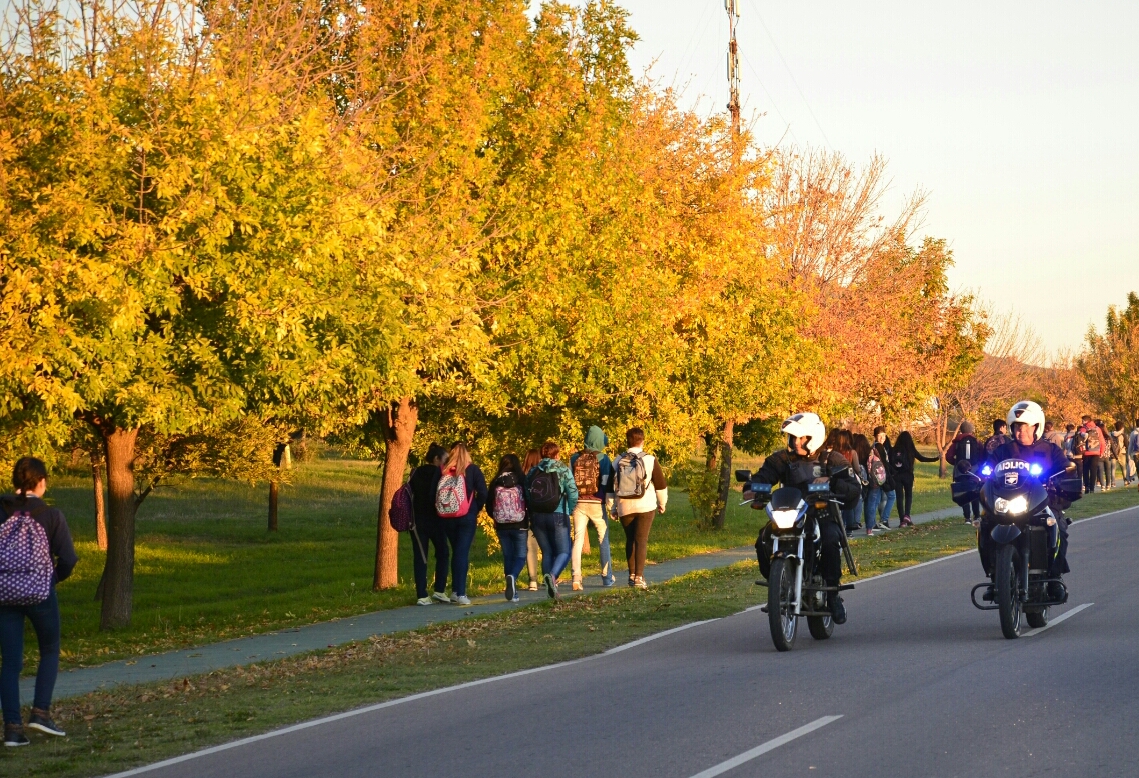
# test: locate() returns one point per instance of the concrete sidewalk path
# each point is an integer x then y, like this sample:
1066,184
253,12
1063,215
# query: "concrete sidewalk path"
284,643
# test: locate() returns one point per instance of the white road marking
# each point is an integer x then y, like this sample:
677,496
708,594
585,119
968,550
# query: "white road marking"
646,639
1066,614
770,745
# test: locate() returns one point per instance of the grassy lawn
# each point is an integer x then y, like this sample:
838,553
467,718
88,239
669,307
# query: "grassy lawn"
117,730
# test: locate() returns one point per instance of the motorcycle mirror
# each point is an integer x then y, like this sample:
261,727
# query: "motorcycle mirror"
743,476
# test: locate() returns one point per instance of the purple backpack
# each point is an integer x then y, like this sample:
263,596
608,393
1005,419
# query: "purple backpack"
401,514
25,561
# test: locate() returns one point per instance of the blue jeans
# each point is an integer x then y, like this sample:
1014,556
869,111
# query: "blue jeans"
870,507
45,621
460,533
513,542
551,530
429,536
850,516
887,506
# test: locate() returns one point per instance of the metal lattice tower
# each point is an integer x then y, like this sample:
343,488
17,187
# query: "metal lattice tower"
732,7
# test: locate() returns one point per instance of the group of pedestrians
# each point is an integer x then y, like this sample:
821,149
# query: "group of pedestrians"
542,502
886,472
1098,448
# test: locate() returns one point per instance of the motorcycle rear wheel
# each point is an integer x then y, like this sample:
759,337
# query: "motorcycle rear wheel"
780,593
821,627
1008,600
1038,619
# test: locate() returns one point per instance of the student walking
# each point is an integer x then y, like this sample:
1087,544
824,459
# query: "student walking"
871,491
1089,445
553,496
1119,453
533,457
842,441
639,492
506,504
36,553
460,496
965,454
424,483
1133,451
997,439
884,451
905,454
592,470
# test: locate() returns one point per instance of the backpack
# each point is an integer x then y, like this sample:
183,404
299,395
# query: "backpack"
899,460
963,451
1116,445
1093,444
545,491
401,513
875,469
587,473
25,561
509,499
451,498
630,476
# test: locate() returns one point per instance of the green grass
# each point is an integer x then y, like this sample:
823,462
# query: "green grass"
116,730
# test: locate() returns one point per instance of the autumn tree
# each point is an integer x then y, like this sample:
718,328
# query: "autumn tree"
1111,362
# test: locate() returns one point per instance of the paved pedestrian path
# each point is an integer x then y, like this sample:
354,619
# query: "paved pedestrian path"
285,643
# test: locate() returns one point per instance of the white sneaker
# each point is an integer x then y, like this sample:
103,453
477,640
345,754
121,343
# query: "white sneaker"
640,583
425,601
440,597
462,599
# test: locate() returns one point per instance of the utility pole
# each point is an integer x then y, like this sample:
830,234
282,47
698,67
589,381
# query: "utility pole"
732,7
727,431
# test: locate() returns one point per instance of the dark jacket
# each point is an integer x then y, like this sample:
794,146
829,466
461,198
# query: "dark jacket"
904,457
63,556
1048,455
789,469
424,481
501,480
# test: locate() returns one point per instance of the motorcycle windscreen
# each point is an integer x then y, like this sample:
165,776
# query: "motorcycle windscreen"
786,499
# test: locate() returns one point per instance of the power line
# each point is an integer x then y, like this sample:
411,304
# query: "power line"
787,67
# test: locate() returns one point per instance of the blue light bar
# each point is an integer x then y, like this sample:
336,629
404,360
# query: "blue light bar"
1036,469
987,470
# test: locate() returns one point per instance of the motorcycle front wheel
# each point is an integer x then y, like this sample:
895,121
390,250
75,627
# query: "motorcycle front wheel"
780,593
1008,601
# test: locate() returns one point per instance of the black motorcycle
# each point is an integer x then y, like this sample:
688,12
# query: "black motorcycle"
1015,501
795,587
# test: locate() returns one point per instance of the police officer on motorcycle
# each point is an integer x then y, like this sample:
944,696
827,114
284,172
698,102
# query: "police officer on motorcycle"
1026,424
799,465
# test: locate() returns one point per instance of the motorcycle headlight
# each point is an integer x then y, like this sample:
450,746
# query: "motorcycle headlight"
1013,507
785,519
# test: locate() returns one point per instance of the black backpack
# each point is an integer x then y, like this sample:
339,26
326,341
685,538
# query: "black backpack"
966,450
545,492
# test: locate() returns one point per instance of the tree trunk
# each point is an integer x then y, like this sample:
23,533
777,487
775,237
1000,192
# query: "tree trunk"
942,428
118,576
711,449
399,430
272,506
725,472
100,504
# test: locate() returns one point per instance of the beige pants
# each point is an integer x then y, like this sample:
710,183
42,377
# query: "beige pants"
583,514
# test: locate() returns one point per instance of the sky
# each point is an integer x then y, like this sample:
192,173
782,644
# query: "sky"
1019,119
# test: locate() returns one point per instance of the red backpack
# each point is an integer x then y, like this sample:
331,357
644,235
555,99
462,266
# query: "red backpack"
401,514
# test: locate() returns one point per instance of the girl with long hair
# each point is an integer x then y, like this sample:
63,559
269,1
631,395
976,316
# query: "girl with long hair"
905,454
506,504
460,530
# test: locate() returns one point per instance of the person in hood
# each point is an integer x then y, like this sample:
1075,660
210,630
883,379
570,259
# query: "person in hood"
30,479
592,470
966,454
553,496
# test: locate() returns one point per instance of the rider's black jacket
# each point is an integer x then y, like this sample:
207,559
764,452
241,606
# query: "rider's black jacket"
794,470
1044,453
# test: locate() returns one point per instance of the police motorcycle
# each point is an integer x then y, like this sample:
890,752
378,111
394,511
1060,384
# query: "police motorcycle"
1016,501
795,588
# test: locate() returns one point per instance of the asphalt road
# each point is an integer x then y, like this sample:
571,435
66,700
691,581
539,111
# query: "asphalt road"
922,684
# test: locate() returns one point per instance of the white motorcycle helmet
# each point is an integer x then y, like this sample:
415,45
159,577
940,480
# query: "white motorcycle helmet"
1027,412
807,425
